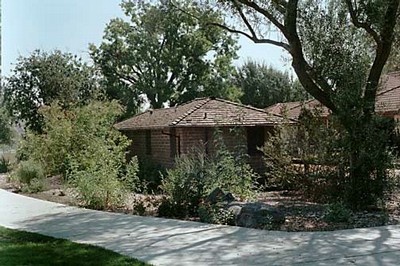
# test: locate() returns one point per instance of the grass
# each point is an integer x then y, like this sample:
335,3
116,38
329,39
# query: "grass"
23,248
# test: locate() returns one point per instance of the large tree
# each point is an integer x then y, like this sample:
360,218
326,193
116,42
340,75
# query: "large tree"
44,77
326,43
263,85
165,55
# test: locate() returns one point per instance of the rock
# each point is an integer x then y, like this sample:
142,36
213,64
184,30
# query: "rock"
61,193
215,196
256,215
228,197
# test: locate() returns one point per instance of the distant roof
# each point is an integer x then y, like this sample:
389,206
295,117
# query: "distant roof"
387,100
292,110
201,112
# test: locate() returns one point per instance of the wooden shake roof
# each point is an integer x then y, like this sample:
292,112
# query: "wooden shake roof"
201,112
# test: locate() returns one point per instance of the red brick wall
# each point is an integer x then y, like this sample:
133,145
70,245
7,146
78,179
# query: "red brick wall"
160,146
189,138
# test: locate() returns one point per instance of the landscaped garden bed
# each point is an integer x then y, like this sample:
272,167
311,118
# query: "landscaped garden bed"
300,214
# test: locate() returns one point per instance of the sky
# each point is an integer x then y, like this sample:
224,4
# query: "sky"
70,25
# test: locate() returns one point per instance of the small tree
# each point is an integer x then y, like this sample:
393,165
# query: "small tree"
41,78
82,145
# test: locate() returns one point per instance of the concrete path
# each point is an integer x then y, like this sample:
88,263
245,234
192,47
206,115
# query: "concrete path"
172,242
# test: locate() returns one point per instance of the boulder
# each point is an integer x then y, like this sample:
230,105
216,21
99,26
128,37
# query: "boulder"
217,196
256,215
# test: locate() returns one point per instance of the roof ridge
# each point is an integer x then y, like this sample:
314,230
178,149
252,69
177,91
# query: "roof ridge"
383,92
186,114
249,107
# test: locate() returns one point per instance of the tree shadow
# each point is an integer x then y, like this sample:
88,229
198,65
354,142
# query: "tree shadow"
172,242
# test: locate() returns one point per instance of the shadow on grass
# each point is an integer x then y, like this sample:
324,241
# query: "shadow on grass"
23,248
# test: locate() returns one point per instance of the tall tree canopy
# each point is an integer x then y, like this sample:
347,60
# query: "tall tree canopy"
165,54
263,85
42,78
326,43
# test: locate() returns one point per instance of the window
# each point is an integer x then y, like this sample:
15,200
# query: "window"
255,139
148,142
172,142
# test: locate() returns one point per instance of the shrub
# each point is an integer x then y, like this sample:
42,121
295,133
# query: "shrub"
36,185
4,165
195,175
215,214
27,171
186,185
67,133
337,213
150,175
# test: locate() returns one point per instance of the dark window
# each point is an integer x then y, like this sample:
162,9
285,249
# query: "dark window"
148,142
172,142
255,139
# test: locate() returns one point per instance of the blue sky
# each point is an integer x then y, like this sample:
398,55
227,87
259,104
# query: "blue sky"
70,25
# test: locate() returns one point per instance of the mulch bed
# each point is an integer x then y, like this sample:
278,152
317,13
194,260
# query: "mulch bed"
301,215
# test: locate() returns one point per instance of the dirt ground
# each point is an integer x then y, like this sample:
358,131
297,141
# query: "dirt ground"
300,214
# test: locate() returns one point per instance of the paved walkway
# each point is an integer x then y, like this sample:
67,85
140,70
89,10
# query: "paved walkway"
172,242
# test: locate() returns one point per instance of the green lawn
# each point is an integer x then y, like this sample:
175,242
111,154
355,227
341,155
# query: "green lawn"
23,248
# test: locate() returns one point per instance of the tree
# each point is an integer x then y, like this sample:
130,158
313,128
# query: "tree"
5,129
326,42
263,85
165,55
42,78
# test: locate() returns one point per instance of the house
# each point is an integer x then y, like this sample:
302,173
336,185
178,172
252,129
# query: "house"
162,134
387,101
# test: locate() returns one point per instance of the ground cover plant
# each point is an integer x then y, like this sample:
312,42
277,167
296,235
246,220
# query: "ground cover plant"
23,248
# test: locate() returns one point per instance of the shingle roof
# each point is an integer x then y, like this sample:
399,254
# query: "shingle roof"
202,112
387,100
293,109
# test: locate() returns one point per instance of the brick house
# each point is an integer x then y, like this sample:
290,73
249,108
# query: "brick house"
162,134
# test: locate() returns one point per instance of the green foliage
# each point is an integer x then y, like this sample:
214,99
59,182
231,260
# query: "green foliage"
150,174
165,53
323,157
82,145
4,165
195,175
263,85
186,184
30,175
27,171
337,213
98,184
42,78
6,133
339,50
215,214
67,134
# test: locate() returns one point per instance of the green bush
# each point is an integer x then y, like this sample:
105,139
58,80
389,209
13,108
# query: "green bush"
27,171
81,144
215,214
337,213
186,185
5,165
36,185
195,175
150,175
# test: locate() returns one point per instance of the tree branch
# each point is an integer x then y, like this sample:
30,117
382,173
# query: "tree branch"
316,86
254,39
366,26
382,54
265,13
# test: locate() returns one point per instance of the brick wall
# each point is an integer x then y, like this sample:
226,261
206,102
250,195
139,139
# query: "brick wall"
160,146
187,139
